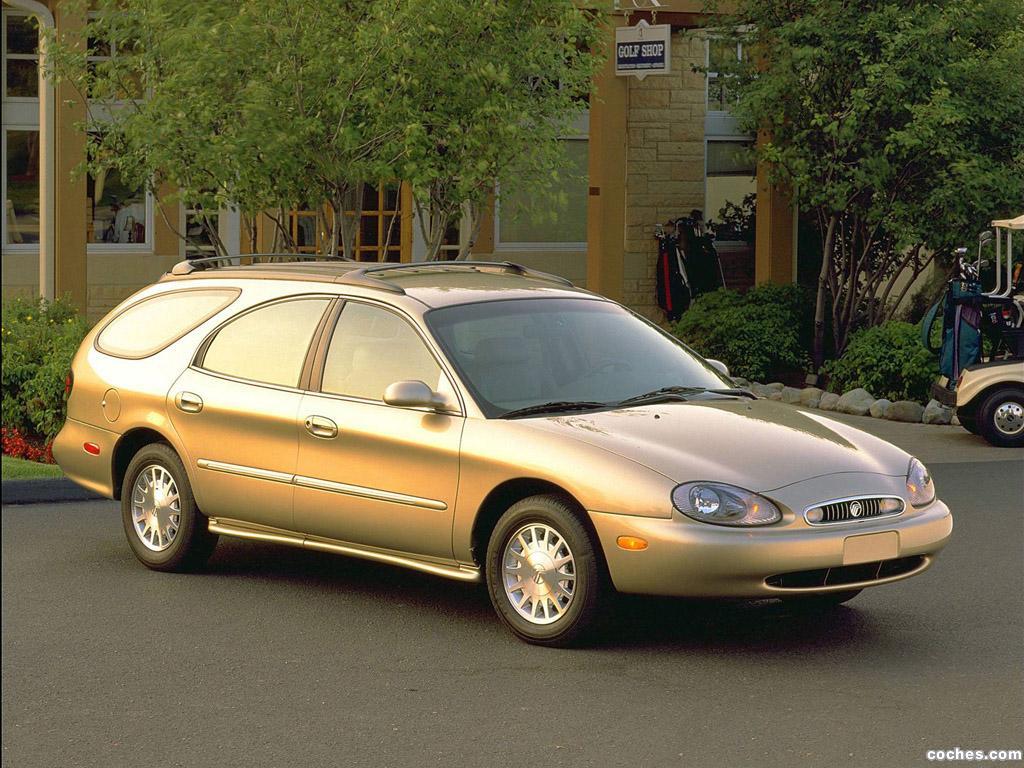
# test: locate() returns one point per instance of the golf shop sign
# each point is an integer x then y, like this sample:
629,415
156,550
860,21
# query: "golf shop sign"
643,50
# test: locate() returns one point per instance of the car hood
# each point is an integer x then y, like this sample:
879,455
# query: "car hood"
760,445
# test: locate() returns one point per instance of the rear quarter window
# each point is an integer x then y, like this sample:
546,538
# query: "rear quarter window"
150,325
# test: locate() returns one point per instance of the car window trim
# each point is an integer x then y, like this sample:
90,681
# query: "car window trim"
149,353
200,355
320,357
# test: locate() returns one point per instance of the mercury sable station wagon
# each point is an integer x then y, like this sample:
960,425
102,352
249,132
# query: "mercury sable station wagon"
479,421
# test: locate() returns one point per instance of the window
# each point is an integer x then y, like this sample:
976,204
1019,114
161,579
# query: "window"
525,223
117,213
199,242
21,188
148,326
373,348
731,190
721,54
268,344
21,56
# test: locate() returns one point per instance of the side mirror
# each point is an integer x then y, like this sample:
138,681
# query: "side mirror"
719,366
413,394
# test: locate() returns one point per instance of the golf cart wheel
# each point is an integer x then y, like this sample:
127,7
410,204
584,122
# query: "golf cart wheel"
968,421
1001,417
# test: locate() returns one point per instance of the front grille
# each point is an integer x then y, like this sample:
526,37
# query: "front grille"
850,510
845,574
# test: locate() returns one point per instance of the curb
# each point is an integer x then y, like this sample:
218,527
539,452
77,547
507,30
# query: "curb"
55,491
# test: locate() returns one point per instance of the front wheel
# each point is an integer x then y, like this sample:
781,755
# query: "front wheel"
544,573
1001,418
165,528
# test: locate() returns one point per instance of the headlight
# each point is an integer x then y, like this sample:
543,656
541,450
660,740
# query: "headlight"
724,504
920,487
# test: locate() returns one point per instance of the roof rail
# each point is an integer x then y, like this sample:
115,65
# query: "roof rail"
505,266
189,266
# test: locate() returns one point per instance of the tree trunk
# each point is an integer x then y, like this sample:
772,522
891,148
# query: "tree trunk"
472,219
334,233
351,207
822,295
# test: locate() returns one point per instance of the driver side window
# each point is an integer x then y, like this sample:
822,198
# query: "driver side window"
373,347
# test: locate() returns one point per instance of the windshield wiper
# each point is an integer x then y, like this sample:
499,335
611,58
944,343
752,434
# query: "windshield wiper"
556,406
681,393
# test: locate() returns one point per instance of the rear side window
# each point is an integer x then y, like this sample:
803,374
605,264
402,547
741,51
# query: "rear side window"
144,328
268,344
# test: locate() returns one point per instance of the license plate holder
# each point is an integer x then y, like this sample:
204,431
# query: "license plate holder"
871,547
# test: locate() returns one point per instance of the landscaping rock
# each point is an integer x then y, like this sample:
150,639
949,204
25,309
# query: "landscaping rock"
905,410
856,402
936,413
759,389
879,407
955,421
828,401
740,382
811,396
790,395
775,386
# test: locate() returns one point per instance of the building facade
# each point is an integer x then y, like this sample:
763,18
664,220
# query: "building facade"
646,151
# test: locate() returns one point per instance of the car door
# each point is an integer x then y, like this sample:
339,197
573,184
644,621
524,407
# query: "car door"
370,473
235,409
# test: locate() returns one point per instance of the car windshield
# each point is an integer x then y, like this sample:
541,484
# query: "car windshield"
520,353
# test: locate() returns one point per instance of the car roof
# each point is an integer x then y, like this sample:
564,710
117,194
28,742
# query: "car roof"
433,283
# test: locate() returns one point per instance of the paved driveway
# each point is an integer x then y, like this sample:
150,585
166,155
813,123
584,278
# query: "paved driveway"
281,657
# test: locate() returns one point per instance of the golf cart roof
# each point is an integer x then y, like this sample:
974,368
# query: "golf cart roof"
1017,223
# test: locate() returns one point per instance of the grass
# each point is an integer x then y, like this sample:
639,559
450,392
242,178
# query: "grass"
20,469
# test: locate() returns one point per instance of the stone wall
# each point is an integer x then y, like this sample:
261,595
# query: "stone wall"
664,163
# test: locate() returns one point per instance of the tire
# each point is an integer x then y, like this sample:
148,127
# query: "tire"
149,476
563,611
968,420
1001,417
823,602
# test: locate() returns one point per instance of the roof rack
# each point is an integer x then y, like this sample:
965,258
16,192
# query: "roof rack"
504,266
189,266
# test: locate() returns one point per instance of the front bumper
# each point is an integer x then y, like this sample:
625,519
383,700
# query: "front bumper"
687,558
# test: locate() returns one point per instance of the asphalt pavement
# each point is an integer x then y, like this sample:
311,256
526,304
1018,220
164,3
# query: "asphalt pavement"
283,657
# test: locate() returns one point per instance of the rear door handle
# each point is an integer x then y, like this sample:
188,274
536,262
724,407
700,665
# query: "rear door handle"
189,402
321,426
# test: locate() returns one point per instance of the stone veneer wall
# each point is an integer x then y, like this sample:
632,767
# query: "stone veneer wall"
664,163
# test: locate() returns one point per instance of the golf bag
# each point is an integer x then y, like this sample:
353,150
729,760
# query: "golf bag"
701,257
961,327
673,289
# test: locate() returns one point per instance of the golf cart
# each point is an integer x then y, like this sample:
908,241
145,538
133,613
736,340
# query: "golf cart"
981,357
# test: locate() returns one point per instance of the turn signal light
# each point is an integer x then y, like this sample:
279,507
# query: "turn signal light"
631,543
91,448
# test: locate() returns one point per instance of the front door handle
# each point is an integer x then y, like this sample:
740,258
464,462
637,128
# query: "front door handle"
189,402
321,426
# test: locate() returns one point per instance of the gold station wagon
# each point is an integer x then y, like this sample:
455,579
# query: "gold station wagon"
479,421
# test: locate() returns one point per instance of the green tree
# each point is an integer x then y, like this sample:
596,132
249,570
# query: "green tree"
900,127
485,89
266,105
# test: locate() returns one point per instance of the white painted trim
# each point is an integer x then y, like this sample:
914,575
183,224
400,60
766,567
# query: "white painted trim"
47,152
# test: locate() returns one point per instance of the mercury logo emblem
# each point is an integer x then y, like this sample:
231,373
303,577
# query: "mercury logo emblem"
856,509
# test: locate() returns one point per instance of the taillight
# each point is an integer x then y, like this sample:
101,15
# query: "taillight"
69,382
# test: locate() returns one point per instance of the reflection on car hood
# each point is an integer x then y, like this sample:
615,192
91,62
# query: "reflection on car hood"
760,445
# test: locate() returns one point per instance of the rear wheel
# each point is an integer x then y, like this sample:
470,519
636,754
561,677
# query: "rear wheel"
544,573
1001,417
968,420
164,527
822,602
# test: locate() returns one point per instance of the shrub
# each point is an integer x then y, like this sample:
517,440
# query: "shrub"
39,340
888,360
762,335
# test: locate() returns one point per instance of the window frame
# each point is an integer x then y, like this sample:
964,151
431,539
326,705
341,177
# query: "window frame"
710,74
146,246
741,139
319,360
8,12
152,297
198,359
581,133
15,247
